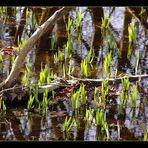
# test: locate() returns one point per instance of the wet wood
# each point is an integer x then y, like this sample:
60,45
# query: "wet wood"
40,32
111,80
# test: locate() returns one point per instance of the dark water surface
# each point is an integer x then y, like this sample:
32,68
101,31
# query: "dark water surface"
19,124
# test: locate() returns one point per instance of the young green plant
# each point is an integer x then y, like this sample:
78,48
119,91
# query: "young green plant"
106,64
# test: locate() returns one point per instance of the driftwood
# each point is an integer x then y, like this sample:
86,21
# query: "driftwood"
30,43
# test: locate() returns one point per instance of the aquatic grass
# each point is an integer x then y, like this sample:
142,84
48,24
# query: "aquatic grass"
100,117
24,81
36,93
27,16
112,41
30,102
68,49
21,43
60,55
1,59
75,100
12,59
45,98
43,76
67,125
104,25
104,90
33,22
123,98
82,94
133,97
90,56
132,39
53,42
106,64
105,127
69,25
2,105
146,135
52,75
96,99
78,19
125,84
84,68
88,115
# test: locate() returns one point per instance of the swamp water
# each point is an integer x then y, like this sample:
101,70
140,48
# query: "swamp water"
119,121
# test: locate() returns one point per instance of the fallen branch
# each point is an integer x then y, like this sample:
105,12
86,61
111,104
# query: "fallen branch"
30,43
111,80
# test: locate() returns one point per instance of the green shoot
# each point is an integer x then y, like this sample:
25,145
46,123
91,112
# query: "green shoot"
12,59
90,55
133,97
88,115
104,25
30,102
78,19
1,59
104,91
75,100
106,64
84,68
146,135
125,84
68,124
132,38
2,105
33,22
43,76
53,42
82,94
69,25
45,98
24,79
123,98
68,49
100,118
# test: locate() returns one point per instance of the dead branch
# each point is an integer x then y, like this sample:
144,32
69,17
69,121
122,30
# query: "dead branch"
30,43
111,80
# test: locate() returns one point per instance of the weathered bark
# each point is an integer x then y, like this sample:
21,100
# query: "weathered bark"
47,26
